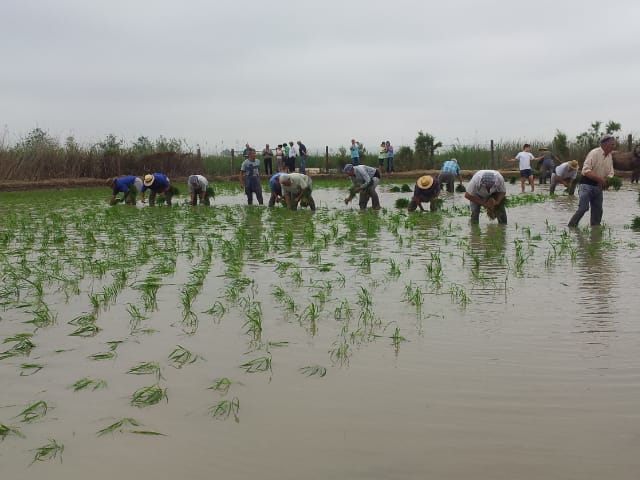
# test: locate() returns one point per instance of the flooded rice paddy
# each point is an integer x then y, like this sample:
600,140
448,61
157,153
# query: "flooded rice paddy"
236,342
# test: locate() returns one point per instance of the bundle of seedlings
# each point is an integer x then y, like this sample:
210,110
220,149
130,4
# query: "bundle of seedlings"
614,182
460,188
352,194
402,203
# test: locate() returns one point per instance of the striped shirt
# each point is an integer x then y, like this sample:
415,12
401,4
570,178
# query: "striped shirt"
450,167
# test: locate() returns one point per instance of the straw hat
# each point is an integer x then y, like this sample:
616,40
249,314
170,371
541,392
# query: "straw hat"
425,182
542,148
148,180
573,164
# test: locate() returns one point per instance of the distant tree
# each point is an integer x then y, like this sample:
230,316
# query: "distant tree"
110,146
403,158
168,145
37,139
590,139
560,146
425,149
142,146
71,145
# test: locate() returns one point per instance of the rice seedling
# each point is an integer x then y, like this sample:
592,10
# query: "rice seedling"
217,311
86,382
402,203
312,370
459,294
635,224
85,331
119,426
6,431
340,352
225,408
123,426
394,269
29,369
297,277
50,451
405,188
414,296
149,289
397,339
260,364
147,368
103,356
460,188
35,411
43,316
614,182
365,264
22,346
222,385
253,323
284,298
84,319
180,357
343,311
147,396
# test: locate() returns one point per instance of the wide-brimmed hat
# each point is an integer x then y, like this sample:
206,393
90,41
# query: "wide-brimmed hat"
148,180
110,181
573,164
543,147
425,182
347,168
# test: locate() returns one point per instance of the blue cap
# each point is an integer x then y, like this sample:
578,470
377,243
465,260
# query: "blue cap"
347,168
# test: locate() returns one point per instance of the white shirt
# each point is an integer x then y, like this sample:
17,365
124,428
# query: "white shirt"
202,183
299,181
525,160
483,191
292,152
563,171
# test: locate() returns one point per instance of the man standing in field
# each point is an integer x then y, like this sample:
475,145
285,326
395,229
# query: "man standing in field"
450,171
267,156
565,173
487,189
250,178
355,152
598,165
291,161
364,179
158,183
389,157
524,159
302,150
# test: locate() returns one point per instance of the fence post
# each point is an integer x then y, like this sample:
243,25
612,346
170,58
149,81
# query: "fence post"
326,158
493,159
233,153
629,143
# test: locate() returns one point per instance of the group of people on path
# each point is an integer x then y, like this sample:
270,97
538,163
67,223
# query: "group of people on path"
286,156
486,189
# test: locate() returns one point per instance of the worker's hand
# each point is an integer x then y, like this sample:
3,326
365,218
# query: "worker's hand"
357,189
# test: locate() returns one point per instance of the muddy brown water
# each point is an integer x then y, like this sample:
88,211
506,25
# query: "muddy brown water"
508,370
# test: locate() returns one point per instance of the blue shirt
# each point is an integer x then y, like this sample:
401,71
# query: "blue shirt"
123,184
275,187
450,167
354,151
160,184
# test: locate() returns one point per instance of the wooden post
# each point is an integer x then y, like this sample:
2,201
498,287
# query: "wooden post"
493,152
629,143
326,159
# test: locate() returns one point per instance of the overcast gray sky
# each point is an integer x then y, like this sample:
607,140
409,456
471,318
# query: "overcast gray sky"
220,73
